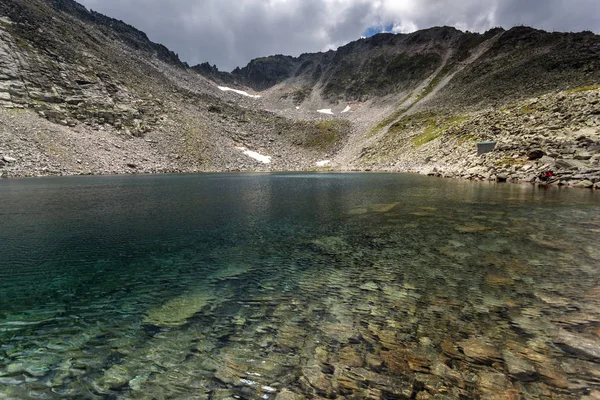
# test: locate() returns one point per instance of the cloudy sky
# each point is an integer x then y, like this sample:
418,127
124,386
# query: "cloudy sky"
229,33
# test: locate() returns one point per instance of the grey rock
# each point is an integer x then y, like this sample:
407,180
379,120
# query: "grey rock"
519,367
9,159
585,184
578,345
569,164
583,156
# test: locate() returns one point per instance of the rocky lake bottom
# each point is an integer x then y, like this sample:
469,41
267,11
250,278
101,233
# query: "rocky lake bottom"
294,286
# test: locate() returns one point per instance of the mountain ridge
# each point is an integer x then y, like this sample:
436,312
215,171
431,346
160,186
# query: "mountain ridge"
88,74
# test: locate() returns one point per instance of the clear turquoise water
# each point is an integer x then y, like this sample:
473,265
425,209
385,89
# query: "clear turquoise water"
217,286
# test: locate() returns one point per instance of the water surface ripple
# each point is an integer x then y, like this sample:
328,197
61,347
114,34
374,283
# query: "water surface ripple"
293,286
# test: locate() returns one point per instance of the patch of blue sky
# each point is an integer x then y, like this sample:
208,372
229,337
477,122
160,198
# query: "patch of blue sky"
374,30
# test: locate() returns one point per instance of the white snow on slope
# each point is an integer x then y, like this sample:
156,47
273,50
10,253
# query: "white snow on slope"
346,109
325,111
255,155
323,163
226,89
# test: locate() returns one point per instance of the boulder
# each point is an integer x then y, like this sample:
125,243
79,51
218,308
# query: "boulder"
585,184
9,159
569,164
535,155
583,156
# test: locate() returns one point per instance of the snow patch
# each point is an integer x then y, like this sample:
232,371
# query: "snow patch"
325,111
346,109
255,155
323,163
227,89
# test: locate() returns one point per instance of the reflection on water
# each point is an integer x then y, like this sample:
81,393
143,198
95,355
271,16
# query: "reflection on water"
296,286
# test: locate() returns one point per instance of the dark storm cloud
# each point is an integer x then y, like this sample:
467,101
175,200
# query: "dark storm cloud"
231,32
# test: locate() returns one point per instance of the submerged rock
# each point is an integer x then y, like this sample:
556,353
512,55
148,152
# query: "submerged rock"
178,310
330,244
480,351
519,367
472,228
115,377
496,386
369,286
289,395
578,345
381,208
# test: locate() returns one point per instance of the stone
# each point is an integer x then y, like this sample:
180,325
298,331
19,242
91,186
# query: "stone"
553,376
578,345
593,395
289,395
349,357
178,310
498,280
496,386
317,379
115,377
585,184
9,159
569,164
450,348
369,286
583,156
519,367
535,155
479,351
472,228
501,178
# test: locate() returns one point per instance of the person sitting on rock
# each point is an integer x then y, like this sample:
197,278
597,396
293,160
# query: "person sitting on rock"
546,176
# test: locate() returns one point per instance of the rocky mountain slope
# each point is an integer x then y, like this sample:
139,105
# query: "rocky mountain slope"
82,93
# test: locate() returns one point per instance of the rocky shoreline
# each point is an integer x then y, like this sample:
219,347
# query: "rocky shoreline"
558,132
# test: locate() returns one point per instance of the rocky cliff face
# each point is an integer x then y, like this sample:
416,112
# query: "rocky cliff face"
84,93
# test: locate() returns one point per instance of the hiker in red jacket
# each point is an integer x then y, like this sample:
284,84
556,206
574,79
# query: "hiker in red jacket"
546,176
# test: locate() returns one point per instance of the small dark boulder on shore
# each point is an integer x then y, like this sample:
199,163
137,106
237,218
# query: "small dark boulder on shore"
535,155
